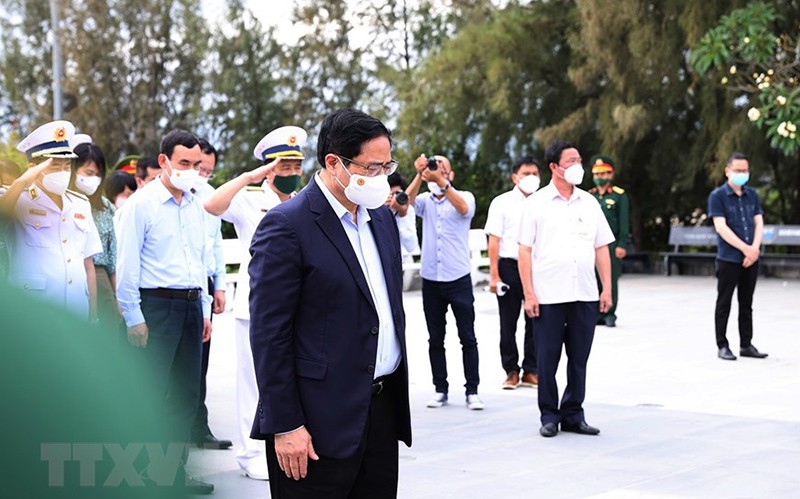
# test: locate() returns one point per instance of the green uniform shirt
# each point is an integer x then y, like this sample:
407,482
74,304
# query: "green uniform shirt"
617,211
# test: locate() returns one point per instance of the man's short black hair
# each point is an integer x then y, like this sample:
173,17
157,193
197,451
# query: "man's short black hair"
345,131
116,183
736,155
525,160
554,150
144,163
178,137
395,179
207,148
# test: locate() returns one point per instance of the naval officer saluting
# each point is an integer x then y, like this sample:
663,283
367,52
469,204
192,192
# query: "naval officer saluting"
50,255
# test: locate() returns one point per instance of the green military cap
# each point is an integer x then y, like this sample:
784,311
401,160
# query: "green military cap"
602,163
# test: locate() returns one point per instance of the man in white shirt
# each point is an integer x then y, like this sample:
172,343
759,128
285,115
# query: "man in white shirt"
404,215
563,236
201,432
502,227
243,205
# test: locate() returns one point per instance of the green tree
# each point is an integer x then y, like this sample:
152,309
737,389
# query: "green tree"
244,101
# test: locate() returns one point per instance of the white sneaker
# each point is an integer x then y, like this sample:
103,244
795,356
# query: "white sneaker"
474,403
257,470
438,400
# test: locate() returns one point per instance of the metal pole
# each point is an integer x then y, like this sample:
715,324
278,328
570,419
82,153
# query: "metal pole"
58,106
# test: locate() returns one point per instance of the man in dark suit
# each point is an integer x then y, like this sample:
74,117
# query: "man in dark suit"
327,323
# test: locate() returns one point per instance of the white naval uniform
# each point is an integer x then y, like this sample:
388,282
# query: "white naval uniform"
245,212
47,253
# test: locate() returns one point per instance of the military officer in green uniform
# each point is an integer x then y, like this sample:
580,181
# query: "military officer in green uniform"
616,207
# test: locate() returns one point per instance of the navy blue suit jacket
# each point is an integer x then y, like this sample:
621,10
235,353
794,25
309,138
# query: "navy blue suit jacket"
313,325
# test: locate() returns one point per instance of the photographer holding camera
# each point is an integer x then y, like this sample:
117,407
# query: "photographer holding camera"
404,215
446,280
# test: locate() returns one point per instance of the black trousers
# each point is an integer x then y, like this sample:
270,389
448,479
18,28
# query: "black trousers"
371,473
172,356
436,297
730,277
200,427
571,325
509,306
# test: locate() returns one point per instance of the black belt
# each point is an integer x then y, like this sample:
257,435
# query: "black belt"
175,294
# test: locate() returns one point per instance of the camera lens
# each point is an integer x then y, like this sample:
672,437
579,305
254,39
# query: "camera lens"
432,164
402,197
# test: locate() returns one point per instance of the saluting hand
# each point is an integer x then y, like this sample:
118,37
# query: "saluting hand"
137,335
293,450
260,173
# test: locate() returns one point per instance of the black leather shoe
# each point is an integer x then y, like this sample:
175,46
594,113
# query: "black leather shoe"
195,486
751,351
726,354
548,430
582,428
209,441
611,322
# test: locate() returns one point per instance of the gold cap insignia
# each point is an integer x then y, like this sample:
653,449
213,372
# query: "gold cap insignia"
292,140
598,161
61,134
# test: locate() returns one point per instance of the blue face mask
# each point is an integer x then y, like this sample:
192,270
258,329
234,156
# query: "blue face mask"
739,179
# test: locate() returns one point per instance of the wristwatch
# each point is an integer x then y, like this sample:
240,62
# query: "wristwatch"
446,186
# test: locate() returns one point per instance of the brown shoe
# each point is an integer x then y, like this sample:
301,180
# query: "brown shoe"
529,379
512,381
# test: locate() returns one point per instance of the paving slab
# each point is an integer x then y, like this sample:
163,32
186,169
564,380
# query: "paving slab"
676,421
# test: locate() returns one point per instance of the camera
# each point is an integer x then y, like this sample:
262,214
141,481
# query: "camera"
401,197
432,163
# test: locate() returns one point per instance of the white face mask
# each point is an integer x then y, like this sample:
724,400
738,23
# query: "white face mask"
529,184
87,185
201,180
119,202
56,182
369,192
435,189
183,180
574,174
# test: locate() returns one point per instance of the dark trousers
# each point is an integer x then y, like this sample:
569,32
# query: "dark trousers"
509,306
436,296
173,356
732,276
372,472
200,427
572,325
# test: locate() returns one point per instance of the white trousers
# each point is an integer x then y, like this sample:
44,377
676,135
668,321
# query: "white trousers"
249,450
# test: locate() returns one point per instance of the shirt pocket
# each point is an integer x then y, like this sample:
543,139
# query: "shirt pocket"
38,231
28,282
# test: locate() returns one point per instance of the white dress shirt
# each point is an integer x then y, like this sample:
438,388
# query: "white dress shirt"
505,213
407,227
245,212
214,257
360,236
160,244
47,252
445,237
563,234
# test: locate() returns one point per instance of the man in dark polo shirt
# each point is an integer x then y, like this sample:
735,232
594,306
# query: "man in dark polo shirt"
739,222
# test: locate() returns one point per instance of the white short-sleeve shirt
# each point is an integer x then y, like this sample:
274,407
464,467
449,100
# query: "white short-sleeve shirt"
505,213
563,234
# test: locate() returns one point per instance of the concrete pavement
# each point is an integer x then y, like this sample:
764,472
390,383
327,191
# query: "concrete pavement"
675,420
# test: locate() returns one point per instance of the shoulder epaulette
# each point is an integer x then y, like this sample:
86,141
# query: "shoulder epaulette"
254,188
77,194
618,190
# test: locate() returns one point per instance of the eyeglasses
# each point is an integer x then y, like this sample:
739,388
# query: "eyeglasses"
374,169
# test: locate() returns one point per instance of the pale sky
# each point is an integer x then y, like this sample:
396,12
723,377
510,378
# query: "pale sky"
276,13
